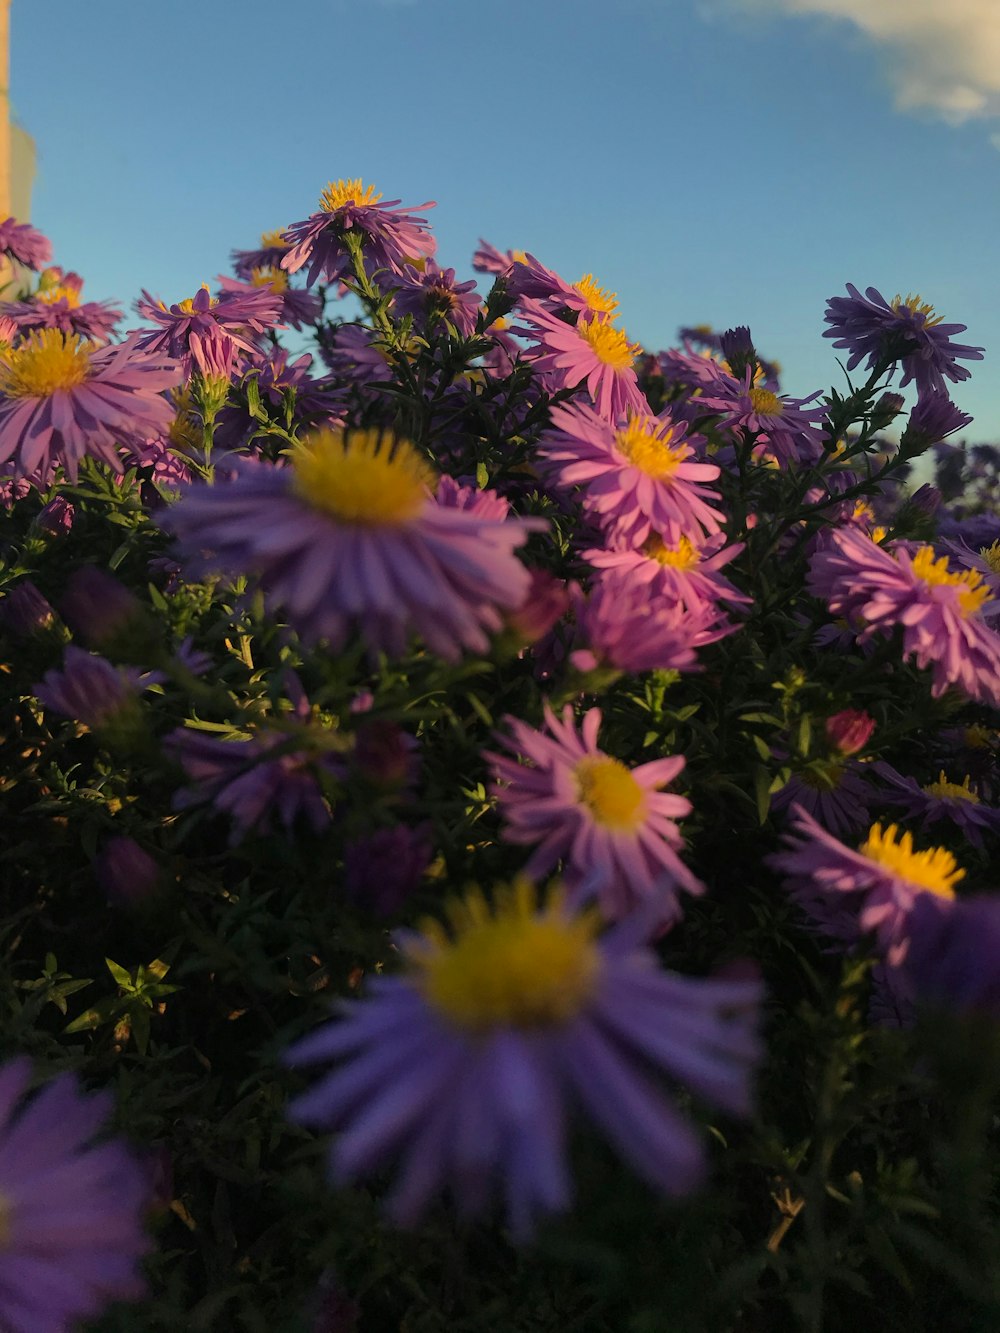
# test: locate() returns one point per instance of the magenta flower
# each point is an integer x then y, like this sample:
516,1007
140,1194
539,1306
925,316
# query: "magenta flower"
614,827
24,244
391,236
529,278
682,571
295,308
849,893
60,399
637,478
850,730
72,1207
268,255
591,352
431,294
349,539
906,328
464,1068
619,626
209,333
488,259
940,610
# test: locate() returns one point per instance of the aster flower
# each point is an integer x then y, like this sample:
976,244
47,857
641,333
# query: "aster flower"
784,427
24,611
638,478
60,399
206,332
383,868
430,294
614,826
940,610
954,954
296,308
465,1066
682,571
906,329
59,307
90,690
268,255
961,803
838,795
349,539
593,352
488,259
390,235
252,779
24,244
530,278
126,872
934,417
848,893
620,627
72,1207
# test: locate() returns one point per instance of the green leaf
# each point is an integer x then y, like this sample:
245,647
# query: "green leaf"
120,974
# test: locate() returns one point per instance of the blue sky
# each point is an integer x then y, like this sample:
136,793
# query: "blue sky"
721,161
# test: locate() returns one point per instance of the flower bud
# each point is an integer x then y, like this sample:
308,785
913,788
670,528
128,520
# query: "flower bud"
849,731
126,873
25,612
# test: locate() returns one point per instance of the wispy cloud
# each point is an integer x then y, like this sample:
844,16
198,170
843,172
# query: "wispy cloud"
941,56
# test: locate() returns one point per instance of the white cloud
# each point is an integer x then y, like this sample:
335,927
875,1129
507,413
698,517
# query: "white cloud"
941,56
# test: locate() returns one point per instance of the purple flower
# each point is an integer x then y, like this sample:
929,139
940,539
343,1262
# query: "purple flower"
960,803
57,517
591,352
906,329
848,893
96,606
464,1067
682,571
391,236
385,755
431,294
89,689
126,872
940,610
296,308
252,779
57,305
383,868
71,1207
24,611
637,477
954,955
619,626
209,333
349,539
614,826
268,255
24,244
488,259
61,400
785,428
933,417
836,794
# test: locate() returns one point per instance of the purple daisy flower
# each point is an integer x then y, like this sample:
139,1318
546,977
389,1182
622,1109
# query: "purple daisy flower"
614,826
89,689
682,571
72,1207
954,954
906,328
940,610
934,417
430,294
383,868
836,794
268,255
784,427
208,332
622,628
296,309
584,298
961,803
24,244
488,259
638,478
391,236
848,893
349,539
465,1066
60,399
593,352
25,612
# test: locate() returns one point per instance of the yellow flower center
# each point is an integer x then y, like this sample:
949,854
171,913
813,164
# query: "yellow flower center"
934,870
646,444
600,301
863,511
943,789
336,195
683,556
187,305
913,303
765,403
275,278
49,295
607,343
991,554
508,965
273,240
978,737
519,256
361,477
44,362
935,573
610,792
